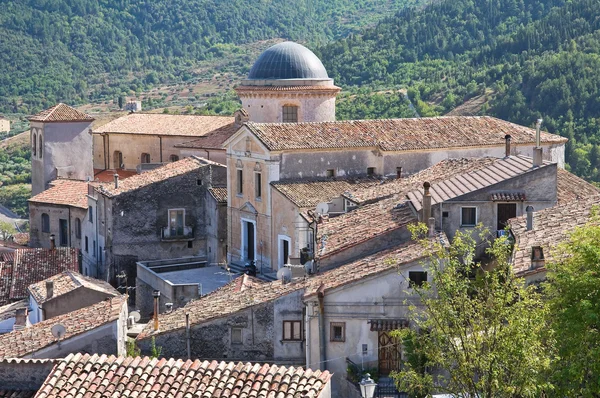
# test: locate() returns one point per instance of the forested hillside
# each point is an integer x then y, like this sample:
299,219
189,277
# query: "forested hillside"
80,51
525,59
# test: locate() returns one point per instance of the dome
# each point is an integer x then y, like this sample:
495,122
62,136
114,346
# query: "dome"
288,60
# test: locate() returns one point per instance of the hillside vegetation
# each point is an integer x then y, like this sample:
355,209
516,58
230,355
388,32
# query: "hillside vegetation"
81,51
523,59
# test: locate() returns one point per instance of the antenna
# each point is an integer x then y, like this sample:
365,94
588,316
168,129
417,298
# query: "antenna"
135,315
284,274
322,208
58,331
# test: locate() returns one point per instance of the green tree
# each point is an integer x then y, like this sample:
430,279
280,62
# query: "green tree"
7,230
478,327
574,316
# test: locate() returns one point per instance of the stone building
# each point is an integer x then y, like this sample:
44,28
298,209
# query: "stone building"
58,212
159,214
61,146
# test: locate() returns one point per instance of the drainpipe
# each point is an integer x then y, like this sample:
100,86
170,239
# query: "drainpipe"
321,297
160,147
187,335
307,345
156,295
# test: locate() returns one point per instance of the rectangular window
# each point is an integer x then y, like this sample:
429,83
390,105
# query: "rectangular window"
292,330
87,249
398,172
176,218
290,114
370,171
63,232
468,216
236,335
240,182
145,158
258,185
337,331
91,214
45,222
417,278
330,173
94,252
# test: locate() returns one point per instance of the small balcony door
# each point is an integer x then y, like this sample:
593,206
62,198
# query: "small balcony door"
63,232
506,211
176,218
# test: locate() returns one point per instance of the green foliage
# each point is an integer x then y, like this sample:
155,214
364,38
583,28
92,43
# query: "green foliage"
15,197
574,298
482,326
535,58
7,230
365,105
104,50
132,349
155,350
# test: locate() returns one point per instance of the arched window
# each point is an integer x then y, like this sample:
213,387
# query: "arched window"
174,158
290,114
77,228
41,146
34,144
145,158
45,222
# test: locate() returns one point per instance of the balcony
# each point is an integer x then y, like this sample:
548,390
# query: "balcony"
177,234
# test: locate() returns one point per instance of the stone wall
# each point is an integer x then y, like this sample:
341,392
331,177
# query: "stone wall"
55,213
24,374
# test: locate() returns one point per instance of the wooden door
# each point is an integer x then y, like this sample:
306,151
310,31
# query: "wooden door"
506,211
390,350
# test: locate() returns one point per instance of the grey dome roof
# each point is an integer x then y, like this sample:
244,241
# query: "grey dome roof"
288,60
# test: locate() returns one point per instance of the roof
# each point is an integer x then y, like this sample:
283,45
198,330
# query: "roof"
551,227
243,292
162,173
383,261
397,134
17,393
61,113
213,139
31,266
38,336
300,89
309,193
357,226
501,170
68,281
165,125
288,60
9,310
571,188
64,192
438,172
109,175
219,193
95,375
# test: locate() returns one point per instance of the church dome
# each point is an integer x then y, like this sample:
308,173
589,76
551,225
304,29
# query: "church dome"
288,60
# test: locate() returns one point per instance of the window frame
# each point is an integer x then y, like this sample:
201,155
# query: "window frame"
371,171
330,173
292,330
145,156
45,223
241,330
91,214
286,113
258,185
413,284
173,158
182,222
462,224
34,145
40,147
333,325
239,182
77,228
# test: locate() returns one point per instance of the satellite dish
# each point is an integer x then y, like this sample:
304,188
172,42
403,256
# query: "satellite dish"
135,315
322,208
58,331
284,274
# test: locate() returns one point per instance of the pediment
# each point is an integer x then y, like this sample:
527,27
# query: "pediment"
246,142
248,208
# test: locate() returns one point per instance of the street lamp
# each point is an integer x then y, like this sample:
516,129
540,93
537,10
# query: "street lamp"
367,386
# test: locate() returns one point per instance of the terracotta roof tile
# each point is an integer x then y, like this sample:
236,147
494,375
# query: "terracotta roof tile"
166,125
17,393
31,339
219,193
243,292
213,139
571,188
33,265
440,171
61,113
109,175
9,310
308,193
66,282
508,196
396,134
551,227
64,192
81,375
371,265
169,170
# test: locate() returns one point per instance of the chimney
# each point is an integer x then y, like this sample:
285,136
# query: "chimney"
52,242
49,289
20,319
156,295
529,210
116,177
537,151
426,202
507,138
431,227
